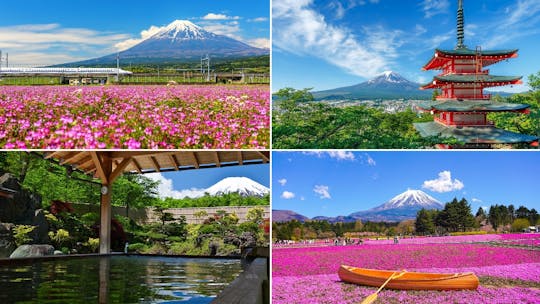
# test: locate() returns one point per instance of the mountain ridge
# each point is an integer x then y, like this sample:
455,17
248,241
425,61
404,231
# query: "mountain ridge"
179,41
401,207
387,85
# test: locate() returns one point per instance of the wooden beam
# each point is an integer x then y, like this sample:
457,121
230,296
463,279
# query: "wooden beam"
53,154
240,158
136,164
119,169
216,159
85,163
71,157
98,163
156,164
174,162
264,157
194,159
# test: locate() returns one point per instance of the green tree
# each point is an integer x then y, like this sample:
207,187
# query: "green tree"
456,216
519,224
424,223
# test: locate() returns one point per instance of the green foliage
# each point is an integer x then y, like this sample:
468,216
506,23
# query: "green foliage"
425,221
61,237
534,81
230,199
137,247
22,234
298,123
91,218
255,215
519,224
92,244
295,230
456,216
134,191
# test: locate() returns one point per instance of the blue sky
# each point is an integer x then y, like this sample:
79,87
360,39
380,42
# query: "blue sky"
193,182
341,182
325,44
47,32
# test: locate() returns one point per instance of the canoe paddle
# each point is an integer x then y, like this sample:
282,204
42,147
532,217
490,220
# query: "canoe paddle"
372,297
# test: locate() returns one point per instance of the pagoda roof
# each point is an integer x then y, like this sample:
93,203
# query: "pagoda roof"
486,79
473,135
452,105
489,57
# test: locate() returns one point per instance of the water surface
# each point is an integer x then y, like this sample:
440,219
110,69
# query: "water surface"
117,279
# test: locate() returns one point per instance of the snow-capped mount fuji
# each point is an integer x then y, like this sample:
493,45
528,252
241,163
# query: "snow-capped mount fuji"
411,199
388,85
241,185
401,207
388,77
182,29
180,41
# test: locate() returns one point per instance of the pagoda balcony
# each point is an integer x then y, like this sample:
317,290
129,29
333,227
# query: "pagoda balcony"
473,97
454,72
480,123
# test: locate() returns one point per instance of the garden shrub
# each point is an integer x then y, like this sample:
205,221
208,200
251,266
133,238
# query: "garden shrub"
22,234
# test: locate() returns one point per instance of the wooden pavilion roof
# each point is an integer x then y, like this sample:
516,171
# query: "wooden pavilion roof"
142,162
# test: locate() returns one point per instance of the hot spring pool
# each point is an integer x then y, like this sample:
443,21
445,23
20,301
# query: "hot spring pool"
117,279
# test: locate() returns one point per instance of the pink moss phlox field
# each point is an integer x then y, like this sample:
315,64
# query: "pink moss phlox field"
325,260
526,239
134,117
328,289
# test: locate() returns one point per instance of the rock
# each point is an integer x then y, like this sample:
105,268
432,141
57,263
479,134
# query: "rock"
42,227
28,251
58,252
21,208
7,241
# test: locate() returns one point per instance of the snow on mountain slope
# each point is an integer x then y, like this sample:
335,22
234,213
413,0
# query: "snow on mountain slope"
242,185
410,198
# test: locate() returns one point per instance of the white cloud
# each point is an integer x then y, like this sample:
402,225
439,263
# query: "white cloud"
322,191
476,200
443,183
262,43
287,195
339,154
370,161
126,44
165,188
435,7
258,19
23,41
212,16
282,181
299,29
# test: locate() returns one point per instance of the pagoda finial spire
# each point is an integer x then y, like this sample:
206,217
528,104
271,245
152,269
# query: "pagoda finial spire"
460,26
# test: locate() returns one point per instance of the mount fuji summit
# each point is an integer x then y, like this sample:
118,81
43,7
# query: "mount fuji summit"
388,85
241,185
180,41
401,207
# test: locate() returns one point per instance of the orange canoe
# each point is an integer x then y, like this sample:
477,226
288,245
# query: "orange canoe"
408,280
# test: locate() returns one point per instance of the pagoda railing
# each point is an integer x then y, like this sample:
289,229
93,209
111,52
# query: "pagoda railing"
476,97
465,123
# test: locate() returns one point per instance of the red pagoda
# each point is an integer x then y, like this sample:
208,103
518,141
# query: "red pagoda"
461,109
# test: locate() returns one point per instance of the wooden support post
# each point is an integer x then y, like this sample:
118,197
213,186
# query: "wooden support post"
104,166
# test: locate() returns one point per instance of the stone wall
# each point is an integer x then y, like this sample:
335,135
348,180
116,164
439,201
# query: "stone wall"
147,215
